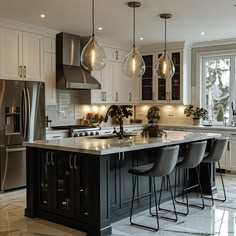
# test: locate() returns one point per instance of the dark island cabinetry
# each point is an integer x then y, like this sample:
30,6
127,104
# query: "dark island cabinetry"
63,184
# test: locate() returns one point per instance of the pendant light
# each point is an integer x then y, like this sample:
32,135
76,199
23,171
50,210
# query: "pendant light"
93,56
133,65
165,67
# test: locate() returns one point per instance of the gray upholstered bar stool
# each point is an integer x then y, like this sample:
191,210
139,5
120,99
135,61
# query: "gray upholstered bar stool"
165,161
216,153
192,158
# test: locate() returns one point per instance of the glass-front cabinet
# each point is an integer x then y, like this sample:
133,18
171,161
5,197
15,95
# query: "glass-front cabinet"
61,181
147,79
176,90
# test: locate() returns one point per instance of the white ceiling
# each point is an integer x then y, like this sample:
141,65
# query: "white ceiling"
190,17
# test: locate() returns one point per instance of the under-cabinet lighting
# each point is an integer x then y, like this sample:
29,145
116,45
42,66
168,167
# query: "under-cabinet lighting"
202,33
42,16
99,28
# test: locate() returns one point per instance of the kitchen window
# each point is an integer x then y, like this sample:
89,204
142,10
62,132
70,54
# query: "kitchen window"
217,91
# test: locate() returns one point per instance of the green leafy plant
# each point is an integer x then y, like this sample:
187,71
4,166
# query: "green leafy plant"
196,113
153,115
119,113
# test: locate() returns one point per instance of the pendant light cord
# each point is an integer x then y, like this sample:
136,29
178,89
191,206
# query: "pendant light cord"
165,34
93,16
134,29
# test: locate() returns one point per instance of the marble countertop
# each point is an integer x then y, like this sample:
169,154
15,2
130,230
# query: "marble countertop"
201,127
98,146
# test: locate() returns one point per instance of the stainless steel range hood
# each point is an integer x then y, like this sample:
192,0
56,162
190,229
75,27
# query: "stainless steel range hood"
69,73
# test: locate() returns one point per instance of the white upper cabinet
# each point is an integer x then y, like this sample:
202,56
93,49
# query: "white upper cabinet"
176,90
116,88
21,55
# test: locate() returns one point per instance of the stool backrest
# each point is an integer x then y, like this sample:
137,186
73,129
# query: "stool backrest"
218,149
193,155
165,161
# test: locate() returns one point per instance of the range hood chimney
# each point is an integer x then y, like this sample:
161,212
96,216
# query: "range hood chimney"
69,73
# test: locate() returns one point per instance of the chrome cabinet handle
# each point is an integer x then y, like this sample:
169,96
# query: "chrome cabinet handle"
117,56
130,97
70,161
105,96
75,165
123,155
20,71
102,96
116,97
24,71
52,161
47,158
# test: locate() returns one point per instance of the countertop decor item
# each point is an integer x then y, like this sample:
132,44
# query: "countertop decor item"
93,56
164,66
133,65
153,131
197,114
153,115
119,112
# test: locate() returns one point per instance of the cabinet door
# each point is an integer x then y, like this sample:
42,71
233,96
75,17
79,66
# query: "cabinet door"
127,161
63,184
32,57
122,85
50,78
45,178
82,167
115,182
144,158
11,54
232,152
176,81
147,85
108,74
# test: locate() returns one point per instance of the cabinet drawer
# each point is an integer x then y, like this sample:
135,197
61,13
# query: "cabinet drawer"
56,135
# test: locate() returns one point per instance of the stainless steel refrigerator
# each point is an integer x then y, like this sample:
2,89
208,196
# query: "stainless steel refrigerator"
22,118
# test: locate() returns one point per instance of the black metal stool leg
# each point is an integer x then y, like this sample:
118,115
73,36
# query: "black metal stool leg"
172,198
132,204
185,191
222,182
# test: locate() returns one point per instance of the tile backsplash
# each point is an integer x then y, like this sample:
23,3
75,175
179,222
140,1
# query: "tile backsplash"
68,111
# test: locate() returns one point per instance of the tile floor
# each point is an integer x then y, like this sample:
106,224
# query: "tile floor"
218,220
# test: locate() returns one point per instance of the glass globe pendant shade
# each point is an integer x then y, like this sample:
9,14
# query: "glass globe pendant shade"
93,56
165,68
133,65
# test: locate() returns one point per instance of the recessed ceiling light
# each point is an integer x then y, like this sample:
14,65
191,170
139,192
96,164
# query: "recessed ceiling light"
99,28
141,38
42,16
202,33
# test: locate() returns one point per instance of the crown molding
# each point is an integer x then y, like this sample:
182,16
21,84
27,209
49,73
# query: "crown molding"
169,46
214,43
7,23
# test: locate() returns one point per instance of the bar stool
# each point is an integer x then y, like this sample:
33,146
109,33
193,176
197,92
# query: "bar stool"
192,158
165,162
216,153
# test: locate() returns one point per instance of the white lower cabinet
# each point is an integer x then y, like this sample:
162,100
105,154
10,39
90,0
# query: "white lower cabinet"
56,134
232,148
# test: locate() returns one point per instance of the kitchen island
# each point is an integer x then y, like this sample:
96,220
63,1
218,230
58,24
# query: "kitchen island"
84,182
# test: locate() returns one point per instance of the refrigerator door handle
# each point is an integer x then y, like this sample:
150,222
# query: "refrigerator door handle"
15,149
24,113
28,111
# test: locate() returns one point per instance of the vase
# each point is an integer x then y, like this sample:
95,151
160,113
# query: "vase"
196,121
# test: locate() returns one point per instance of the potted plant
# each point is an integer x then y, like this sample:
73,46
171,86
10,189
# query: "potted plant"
197,114
153,115
119,112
